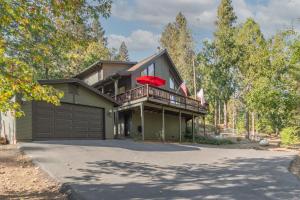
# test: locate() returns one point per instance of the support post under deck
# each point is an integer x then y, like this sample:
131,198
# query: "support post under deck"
180,131
193,127
163,125
142,121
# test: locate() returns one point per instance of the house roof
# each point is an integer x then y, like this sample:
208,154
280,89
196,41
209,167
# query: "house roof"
78,82
95,65
140,64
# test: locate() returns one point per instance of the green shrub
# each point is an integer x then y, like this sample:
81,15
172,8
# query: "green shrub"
210,140
290,135
240,126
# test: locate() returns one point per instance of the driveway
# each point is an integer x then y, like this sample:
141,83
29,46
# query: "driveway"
122,169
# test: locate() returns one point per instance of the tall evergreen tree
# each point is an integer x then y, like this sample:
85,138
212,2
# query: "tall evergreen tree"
98,33
123,53
253,60
226,52
177,39
92,46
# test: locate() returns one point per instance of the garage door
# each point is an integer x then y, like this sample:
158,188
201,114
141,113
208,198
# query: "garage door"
68,121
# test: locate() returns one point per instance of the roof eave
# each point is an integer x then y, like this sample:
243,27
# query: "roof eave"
81,83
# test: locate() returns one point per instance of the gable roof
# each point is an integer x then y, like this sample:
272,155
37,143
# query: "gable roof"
95,65
79,82
141,64
150,59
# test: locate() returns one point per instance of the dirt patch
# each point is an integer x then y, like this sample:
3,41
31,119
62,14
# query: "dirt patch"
295,166
21,179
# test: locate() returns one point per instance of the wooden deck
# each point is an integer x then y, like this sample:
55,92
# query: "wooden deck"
161,96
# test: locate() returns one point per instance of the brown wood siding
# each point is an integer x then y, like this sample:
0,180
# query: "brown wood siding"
68,121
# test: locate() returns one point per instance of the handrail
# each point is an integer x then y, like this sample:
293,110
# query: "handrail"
161,94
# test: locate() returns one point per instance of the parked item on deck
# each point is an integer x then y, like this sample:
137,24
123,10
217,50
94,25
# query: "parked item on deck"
151,80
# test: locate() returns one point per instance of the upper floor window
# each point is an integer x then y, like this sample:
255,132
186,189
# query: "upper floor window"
144,72
171,83
149,71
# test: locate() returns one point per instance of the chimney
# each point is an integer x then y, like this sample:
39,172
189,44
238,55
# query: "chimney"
158,49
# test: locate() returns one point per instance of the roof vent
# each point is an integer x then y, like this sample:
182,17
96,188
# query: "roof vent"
158,49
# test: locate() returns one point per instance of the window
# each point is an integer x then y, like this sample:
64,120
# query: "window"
144,72
171,83
149,71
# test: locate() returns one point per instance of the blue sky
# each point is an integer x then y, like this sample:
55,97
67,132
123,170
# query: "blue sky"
140,22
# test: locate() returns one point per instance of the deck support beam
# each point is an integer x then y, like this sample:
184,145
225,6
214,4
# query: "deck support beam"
142,121
180,131
163,125
193,127
116,88
116,116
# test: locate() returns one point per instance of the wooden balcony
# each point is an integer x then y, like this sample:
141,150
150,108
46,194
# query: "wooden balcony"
161,96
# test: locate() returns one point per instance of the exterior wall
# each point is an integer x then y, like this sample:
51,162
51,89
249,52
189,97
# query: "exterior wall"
24,123
80,95
162,69
8,126
72,94
93,77
153,125
110,69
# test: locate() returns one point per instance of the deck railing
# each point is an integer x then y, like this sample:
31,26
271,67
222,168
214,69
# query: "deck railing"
161,96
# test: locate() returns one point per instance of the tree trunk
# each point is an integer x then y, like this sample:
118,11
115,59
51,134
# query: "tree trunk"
216,115
225,114
219,110
233,119
47,73
247,124
253,123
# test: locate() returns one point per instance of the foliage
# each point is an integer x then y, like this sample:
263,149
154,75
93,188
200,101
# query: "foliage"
290,135
226,55
123,53
177,39
34,36
261,76
240,125
209,140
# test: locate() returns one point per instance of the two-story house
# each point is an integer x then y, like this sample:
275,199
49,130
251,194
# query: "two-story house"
105,101
146,111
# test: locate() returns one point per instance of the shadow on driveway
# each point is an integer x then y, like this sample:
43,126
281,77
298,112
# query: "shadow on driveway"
123,144
241,178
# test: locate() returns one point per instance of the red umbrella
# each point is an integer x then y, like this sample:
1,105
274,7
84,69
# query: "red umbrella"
151,80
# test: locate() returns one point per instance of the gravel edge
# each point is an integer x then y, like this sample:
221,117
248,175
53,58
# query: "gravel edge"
294,167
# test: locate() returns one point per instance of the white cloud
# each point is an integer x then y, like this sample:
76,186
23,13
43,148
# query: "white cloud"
201,14
277,15
138,40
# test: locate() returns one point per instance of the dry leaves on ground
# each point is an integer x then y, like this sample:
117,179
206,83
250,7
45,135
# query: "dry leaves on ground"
21,179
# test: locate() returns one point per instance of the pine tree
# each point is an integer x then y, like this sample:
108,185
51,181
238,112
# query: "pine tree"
123,53
177,39
226,52
98,33
253,58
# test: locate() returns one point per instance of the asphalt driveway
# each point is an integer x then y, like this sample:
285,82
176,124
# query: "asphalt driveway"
121,169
